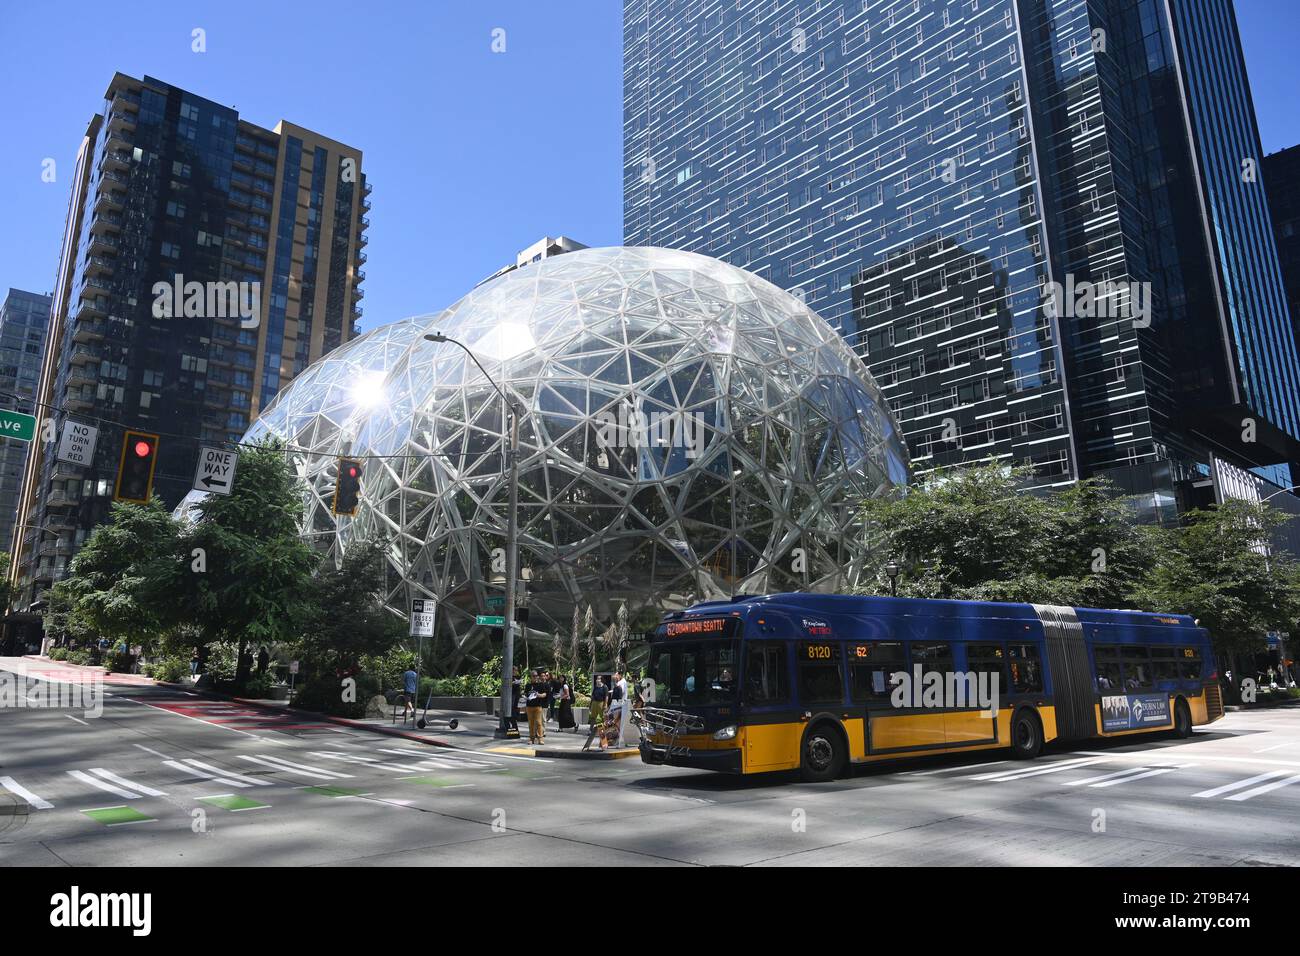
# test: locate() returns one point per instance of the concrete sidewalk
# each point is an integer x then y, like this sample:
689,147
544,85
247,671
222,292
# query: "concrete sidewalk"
477,731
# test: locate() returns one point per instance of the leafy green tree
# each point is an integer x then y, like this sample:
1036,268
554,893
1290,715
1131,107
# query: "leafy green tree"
347,619
6,589
1218,568
117,582
972,533
61,618
247,574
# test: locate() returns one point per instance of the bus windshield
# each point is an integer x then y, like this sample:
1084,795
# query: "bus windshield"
694,674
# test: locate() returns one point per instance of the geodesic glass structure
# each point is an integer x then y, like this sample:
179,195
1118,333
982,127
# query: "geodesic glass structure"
689,431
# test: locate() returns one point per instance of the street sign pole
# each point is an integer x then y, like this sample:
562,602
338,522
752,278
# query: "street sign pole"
512,573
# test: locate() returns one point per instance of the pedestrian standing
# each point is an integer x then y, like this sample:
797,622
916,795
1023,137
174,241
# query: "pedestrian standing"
599,694
263,660
617,709
566,705
536,696
194,663
411,688
557,684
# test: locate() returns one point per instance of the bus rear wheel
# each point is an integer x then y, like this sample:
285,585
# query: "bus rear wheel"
1026,735
823,754
1182,719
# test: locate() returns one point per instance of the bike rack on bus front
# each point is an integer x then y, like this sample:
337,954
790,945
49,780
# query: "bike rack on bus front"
660,723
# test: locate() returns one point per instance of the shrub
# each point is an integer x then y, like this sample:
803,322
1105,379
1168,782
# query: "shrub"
79,657
59,654
259,685
168,669
118,661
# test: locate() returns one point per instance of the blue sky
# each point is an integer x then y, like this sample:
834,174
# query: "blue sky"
473,154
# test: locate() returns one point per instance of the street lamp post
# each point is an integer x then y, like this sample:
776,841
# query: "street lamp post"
511,428
891,570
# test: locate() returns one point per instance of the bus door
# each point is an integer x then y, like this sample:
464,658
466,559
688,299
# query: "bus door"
976,722
771,727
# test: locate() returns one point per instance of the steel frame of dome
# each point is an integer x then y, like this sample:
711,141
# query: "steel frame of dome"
774,432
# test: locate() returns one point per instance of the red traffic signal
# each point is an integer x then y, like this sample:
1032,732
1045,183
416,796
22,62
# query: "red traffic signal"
136,467
347,487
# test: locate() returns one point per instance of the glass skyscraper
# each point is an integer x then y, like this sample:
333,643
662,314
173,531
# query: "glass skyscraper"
173,193
24,317
1034,220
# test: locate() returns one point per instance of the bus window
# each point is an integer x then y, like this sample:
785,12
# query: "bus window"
820,680
1026,671
1165,669
1137,668
1108,675
766,681
932,657
871,665
694,674
991,659
1189,661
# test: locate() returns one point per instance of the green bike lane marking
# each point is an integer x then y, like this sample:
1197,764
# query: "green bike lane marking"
440,782
234,803
118,816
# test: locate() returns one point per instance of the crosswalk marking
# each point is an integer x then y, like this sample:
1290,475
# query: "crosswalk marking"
88,779
204,771
365,761
1004,776
1241,784
1275,785
424,761
1093,781
929,773
300,769
1138,776
130,785
12,785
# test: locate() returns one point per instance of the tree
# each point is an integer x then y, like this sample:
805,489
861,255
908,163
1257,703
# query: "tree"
61,618
248,574
347,618
972,533
6,589
117,583
1218,568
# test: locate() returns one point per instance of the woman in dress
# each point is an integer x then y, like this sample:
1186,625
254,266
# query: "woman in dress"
566,705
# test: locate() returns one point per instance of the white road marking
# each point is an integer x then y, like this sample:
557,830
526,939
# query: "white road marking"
1275,785
115,791
927,773
205,723
119,781
1150,773
1092,781
423,761
1240,784
227,774
1201,755
151,751
32,799
285,765
77,719
1003,776
365,761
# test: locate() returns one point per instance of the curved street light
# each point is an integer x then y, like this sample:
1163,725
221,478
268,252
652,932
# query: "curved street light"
511,475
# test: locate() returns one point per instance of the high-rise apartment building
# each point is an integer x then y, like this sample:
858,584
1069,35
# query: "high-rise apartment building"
1282,179
24,317
206,261
1039,223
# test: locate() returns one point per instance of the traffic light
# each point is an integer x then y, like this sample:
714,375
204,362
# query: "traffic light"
135,470
347,488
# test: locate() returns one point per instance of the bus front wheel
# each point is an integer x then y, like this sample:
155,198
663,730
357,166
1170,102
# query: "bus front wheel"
1026,735
823,754
1182,719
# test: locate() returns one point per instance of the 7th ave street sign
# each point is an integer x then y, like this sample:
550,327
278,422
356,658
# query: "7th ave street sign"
216,471
17,425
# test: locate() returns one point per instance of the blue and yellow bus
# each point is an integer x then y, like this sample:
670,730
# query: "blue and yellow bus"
812,682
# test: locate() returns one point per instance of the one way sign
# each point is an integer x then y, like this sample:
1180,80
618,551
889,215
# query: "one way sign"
216,472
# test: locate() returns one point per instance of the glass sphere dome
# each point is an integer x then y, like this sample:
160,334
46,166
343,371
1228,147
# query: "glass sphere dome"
688,431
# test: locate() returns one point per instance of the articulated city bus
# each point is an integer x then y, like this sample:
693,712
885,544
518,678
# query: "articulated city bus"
815,682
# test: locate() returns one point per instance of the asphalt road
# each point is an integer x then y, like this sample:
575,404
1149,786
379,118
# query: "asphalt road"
165,778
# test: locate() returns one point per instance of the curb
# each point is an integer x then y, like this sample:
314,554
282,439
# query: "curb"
558,754
328,718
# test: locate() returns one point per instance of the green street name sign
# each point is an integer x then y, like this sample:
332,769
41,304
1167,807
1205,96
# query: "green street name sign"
487,620
17,425
496,601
